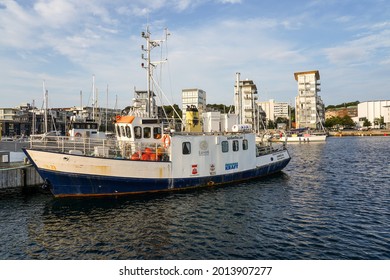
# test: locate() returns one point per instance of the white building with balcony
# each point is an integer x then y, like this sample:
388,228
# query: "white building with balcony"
309,107
193,97
274,110
245,102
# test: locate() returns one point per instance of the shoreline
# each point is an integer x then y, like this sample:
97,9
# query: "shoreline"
376,132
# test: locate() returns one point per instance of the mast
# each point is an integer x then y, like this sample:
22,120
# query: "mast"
93,97
238,99
106,107
146,36
150,44
45,100
34,118
81,101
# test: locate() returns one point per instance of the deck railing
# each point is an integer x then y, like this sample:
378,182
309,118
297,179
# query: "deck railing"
96,147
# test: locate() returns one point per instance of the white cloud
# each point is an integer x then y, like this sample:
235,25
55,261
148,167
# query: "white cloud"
230,1
367,49
56,13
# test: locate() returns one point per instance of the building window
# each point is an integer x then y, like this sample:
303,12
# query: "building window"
235,146
225,146
186,148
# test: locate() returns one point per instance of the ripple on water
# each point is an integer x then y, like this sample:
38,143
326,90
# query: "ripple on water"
331,202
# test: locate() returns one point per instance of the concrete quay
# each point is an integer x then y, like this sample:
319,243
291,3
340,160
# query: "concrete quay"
373,132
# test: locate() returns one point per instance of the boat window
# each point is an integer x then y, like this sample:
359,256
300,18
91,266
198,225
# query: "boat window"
156,132
137,132
147,133
225,146
123,131
186,148
245,144
235,145
118,132
128,131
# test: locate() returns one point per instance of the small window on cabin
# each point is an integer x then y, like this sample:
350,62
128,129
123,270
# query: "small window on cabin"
245,144
128,131
118,132
147,132
186,148
235,145
156,132
225,146
137,132
123,131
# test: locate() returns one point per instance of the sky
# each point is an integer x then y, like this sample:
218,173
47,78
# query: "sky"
63,45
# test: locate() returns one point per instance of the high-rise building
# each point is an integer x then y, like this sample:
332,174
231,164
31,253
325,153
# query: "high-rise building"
245,102
309,108
193,97
274,110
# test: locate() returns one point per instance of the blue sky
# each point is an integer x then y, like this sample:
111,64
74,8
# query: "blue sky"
65,42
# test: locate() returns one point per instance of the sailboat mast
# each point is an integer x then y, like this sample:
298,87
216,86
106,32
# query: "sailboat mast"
106,108
45,101
238,99
34,118
93,97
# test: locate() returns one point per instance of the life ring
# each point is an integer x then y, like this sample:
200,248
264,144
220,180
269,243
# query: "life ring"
166,141
78,134
135,156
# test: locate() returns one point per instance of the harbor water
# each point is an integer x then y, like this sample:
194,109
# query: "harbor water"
331,202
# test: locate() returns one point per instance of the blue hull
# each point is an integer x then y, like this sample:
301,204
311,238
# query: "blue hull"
69,184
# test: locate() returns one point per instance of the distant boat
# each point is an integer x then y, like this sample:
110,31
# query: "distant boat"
148,156
303,136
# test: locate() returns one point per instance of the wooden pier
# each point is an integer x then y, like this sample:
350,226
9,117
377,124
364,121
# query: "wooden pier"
18,175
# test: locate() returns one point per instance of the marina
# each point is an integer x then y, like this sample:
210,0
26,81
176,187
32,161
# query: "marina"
330,203
149,154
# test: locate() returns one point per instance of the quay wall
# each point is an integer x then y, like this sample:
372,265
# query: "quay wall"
19,176
360,133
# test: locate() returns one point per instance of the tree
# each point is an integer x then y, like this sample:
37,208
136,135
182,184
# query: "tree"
171,113
281,120
347,121
366,122
271,124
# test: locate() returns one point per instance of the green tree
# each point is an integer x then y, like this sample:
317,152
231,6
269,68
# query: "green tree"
271,124
347,121
171,113
281,120
366,122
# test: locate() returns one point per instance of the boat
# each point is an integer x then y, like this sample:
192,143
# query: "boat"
82,127
302,136
150,155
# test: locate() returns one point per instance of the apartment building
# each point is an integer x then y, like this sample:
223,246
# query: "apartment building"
275,110
309,107
245,102
193,97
